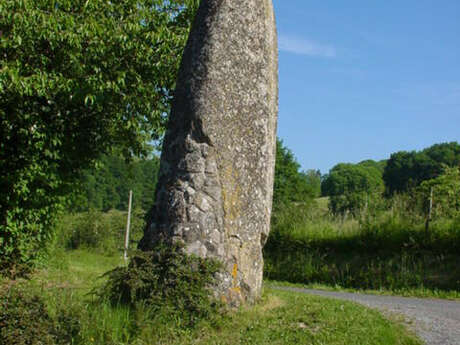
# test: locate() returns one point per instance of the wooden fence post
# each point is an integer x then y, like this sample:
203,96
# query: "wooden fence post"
430,210
128,223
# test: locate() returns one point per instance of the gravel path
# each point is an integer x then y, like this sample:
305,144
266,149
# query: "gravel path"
435,321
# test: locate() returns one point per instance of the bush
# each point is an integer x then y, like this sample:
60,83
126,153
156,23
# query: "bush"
350,185
24,232
98,230
167,280
24,320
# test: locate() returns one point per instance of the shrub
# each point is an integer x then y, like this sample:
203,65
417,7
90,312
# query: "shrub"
166,280
98,230
350,185
24,320
24,232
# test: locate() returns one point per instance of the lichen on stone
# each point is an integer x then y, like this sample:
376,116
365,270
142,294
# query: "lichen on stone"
217,165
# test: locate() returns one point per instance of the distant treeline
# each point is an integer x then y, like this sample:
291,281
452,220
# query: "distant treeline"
393,224
406,170
348,185
107,186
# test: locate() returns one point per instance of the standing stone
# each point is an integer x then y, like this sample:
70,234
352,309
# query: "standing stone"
217,165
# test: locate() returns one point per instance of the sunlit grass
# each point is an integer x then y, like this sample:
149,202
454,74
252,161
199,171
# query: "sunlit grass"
279,318
389,251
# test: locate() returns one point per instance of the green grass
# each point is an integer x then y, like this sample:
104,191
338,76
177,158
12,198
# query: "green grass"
77,271
280,317
409,292
292,318
390,253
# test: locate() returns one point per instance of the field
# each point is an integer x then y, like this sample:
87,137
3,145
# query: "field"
388,252
279,318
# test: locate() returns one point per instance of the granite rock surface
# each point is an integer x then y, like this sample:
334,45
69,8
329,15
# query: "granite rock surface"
217,164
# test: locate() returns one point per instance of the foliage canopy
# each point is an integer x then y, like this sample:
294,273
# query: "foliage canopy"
349,185
77,78
406,170
291,184
446,193
107,186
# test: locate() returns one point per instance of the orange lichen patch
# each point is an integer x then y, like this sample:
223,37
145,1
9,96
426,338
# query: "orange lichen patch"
236,289
235,271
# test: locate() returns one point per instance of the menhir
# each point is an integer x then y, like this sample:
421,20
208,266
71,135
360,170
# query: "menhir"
217,164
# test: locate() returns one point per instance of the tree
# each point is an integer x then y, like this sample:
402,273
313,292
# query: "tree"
445,190
291,185
107,186
313,178
350,185
380,165
77,78
406,170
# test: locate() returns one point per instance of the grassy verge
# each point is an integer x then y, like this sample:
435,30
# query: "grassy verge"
78,271
280,318
388,253
291,318
414,292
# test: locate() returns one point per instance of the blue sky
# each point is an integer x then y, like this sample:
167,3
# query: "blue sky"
362,79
